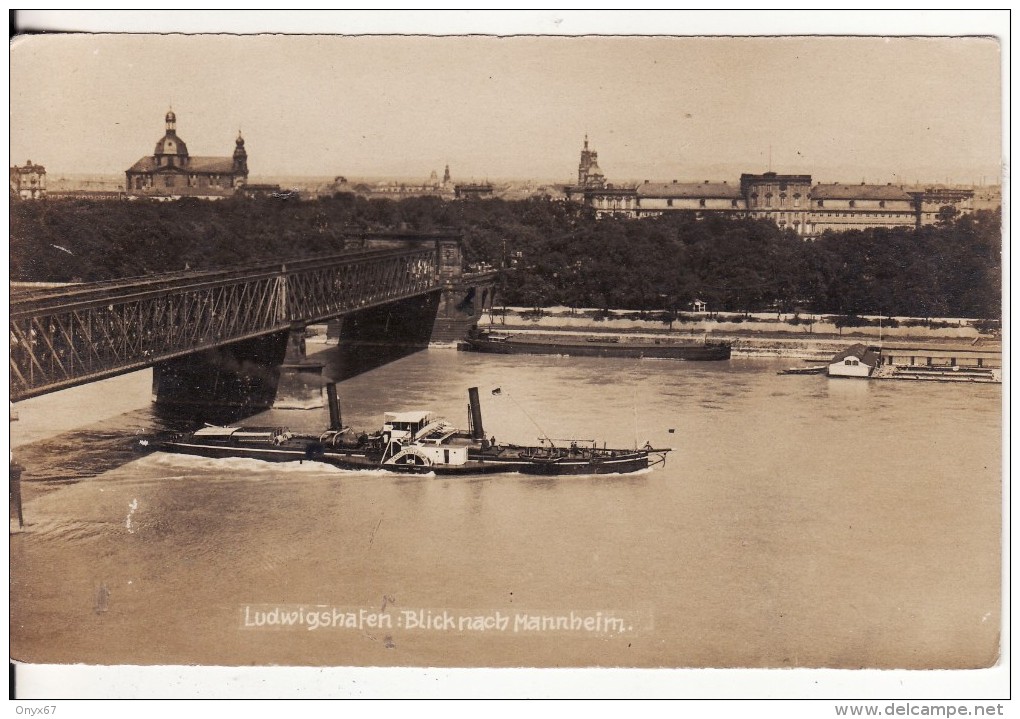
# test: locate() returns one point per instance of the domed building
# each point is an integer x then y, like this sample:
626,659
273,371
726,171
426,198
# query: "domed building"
170,172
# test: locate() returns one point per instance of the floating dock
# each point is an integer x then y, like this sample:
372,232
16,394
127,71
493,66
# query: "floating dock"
936,357
973,364
945,363
944,373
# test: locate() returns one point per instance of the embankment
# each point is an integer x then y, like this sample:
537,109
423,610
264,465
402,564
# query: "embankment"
811,338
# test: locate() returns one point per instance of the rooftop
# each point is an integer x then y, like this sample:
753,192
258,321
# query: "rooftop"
196,164
419,416
838,191
865,354
705,189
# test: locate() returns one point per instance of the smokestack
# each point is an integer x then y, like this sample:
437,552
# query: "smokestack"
335,420
477,431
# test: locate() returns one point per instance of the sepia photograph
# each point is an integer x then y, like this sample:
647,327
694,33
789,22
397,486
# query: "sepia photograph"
616,351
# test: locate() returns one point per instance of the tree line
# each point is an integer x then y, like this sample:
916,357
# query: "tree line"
552,253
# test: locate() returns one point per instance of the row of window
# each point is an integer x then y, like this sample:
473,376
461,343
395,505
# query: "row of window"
852,203
782,195
734,204
616,202
143,181
768,200
701,202
170,160
894,215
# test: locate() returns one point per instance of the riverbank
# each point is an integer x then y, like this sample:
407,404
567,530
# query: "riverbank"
809,337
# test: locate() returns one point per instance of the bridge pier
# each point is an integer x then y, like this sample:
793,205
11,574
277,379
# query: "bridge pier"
463,301
15,496
15,488
237,378
465,294
300,383
379,335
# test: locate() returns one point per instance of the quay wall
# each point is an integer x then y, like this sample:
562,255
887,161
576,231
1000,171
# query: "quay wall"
765,337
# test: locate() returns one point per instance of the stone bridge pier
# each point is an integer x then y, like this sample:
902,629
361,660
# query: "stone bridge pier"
300,384
465,296
233,379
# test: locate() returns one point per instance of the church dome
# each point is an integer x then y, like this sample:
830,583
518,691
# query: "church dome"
170,144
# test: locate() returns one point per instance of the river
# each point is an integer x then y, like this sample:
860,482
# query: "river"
800,522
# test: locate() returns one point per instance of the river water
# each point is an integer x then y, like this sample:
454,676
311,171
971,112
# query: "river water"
801,521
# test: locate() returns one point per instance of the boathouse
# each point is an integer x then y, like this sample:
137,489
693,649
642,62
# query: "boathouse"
855,361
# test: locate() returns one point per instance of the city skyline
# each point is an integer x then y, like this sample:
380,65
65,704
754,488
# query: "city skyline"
659,108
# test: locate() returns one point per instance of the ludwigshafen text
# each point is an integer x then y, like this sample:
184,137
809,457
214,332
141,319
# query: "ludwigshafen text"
311,618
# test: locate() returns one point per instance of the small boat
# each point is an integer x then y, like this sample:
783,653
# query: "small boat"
596,346
411,442
817,369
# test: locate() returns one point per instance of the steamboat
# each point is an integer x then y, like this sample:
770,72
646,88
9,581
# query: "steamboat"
415,442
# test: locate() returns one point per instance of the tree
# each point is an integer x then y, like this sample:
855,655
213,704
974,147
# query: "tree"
947,213
564,254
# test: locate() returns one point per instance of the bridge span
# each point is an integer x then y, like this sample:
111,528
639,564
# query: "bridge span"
66,336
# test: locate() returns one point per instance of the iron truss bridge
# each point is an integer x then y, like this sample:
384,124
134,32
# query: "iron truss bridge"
81,333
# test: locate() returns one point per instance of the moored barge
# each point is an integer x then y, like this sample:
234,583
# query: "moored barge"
597,346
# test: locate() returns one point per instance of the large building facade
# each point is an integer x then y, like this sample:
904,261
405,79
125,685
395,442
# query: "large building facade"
171,172
791,201
28,182
850,207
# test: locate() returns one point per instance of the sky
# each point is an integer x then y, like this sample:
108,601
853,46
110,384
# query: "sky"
844,109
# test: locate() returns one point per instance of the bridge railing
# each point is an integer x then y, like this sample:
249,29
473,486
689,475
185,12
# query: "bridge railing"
80,333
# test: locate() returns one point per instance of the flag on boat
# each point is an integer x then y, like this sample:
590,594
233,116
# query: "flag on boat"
497,391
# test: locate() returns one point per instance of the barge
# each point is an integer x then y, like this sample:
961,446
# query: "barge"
596,346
